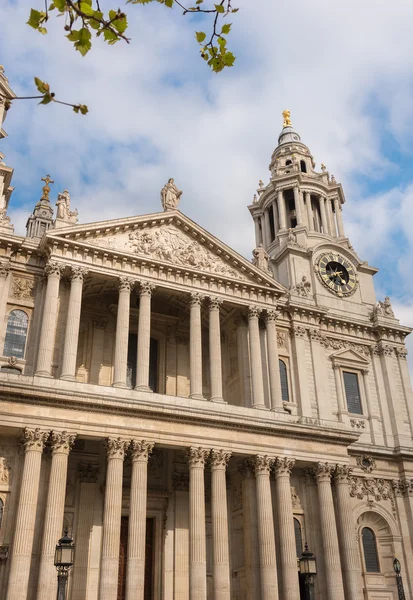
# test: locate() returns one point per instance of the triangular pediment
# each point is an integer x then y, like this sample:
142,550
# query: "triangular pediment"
168,238
349,356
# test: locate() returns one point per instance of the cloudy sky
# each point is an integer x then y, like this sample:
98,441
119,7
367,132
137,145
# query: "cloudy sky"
345,70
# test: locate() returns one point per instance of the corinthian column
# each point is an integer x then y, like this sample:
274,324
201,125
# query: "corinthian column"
349,551
266,540
310,218
54,271
122,333
256,363
61,444
135,567
339,217
197,535
297,202
195,346
249,513
112,512
281,209
144,336
215,362
72,323
21,549
273,360
288,554
219,518
334,580
324,222
244,358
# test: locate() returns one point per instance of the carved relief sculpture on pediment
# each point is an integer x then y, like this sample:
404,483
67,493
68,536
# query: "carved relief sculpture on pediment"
22,288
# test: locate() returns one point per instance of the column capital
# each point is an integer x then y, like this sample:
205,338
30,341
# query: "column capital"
116,447
34,439
219,459
88,472
140,450
271,315
146,288
214,303
78,273
54,268
283,466
323,471
197,456
262,464
196,298
125,283
253,311
298,331
4,269
342,474
61,442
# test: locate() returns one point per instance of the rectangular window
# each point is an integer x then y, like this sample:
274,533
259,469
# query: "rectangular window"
351,386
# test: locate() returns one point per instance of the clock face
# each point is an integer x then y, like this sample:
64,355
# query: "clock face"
337,274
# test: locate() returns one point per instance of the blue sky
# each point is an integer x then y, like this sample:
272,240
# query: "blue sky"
344,70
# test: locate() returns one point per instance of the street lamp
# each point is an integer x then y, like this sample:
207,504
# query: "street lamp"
397,569
308,571
63,561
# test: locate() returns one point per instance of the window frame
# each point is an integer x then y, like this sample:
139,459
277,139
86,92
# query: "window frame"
351,362
6,323
360,384
375,547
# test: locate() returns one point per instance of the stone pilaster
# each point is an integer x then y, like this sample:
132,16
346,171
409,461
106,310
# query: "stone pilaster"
61,444
349,551
267,226
288,557
144,336
244,359
109,562
255,354
324,222
330,218
297,202
122,333
281,209
334,580
273,360
310,218
339,217
197,532
54,271
258,233
249,511
215,360
21,549
299,335
73,323
195,346
275,216
219,517
135,567
266,540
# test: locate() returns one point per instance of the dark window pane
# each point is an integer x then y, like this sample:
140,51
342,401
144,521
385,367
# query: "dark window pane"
298,538
1,510
284,381
351,386
16,333
371,559
13,370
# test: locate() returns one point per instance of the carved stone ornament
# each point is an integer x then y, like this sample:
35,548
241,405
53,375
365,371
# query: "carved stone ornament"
283,466
4,269
253,312
383,309
197,456
298,331
323,471
170,195
125,284
54,268
12,361
34,439
140,450
403,487
88,472
78,273
372,489
62,442
63,208
262,464
271,316
214,303
366,463
5,469
295,499
281,337
180,482
401,353
339,344
260,259
292,241
358,423
146,288
196,299
303,288
342,474
116,447
219,459
22,288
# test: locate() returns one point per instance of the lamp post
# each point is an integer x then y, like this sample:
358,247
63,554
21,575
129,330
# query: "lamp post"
63,561
308,571
397,569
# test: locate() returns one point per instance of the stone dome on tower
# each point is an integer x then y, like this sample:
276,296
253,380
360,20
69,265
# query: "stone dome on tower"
290,149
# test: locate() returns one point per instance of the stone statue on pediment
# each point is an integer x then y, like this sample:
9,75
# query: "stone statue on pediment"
170,195
63,208
383,308
260,258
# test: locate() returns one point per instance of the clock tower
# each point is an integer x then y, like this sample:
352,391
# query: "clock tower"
298,222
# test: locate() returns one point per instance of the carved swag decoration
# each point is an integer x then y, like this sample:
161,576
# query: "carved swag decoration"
373,489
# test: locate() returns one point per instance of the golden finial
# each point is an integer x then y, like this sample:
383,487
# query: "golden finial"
287,122
46,187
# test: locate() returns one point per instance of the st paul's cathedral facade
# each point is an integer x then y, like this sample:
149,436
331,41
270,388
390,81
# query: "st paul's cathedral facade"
194,418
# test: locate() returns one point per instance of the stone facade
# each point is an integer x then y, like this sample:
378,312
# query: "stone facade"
187,414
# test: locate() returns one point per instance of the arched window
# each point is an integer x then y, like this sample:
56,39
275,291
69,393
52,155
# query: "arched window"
371,559
303,166
284,381
1,511
298,537
16,334
288,162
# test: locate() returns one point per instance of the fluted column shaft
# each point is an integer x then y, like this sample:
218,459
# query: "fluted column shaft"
266,540
144,336
219,518
265,239
334,580
73,323
135,566
267,226
195,346
324,221
309,211
53,520
112,512
297,202
122,333
258,233
244,359
281,210
340,398
48,327
275,217
330,218
255,354
349,551
288,553
249,512
21,549
215,360
339,217
197,533
273,360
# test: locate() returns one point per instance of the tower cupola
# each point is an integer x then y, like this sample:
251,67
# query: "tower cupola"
42,217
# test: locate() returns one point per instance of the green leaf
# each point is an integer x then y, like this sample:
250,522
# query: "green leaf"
219,8
94,24
73,36
200,36
226,28
83,45
60,5
120,24
110,36
169,3
42,86
47,98
87,9
36,18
